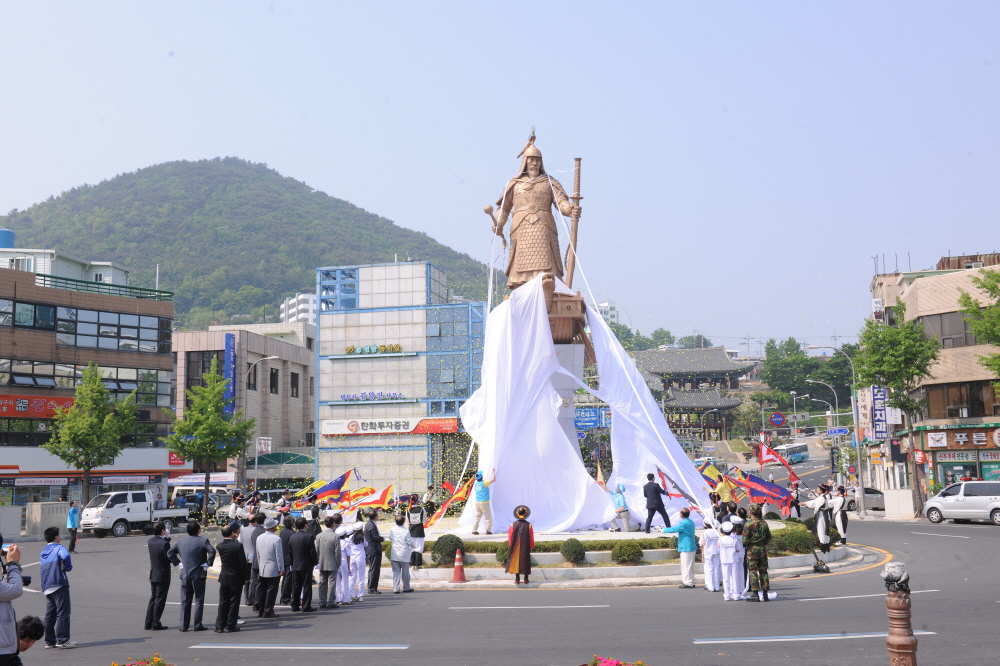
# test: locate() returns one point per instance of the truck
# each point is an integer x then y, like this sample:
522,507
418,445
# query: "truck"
122,512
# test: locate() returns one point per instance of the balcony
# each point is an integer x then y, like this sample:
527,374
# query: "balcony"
72,284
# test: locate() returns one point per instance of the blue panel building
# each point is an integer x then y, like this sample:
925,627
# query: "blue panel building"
396,358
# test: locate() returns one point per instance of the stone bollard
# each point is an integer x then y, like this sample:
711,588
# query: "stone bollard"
901,642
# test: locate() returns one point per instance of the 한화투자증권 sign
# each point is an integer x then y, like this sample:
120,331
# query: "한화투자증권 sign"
373,349
334,427
372,395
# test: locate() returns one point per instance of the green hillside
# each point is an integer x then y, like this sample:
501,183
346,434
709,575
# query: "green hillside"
232,238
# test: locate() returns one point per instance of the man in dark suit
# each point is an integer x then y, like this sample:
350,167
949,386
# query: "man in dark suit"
302,546
373,550
288,529
195,556
159,576
654,502
234,575
258,529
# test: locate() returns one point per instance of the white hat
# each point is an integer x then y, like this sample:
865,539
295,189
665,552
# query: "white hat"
727,527
341,531
270,524
358,527
736,520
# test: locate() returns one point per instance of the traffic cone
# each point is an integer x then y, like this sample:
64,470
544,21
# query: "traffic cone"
458,576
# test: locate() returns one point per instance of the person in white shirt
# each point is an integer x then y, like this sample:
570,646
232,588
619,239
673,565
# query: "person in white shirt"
344,572
357,548
399,555
710,556
838,508
732,568
821,513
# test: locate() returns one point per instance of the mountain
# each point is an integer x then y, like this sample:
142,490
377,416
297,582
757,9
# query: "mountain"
232,238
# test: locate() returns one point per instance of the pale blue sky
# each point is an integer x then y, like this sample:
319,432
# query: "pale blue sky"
742,161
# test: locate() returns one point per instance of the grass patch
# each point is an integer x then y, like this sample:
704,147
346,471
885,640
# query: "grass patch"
737,446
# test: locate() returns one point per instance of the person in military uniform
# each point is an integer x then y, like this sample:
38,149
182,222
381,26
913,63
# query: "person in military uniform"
534,239
756,536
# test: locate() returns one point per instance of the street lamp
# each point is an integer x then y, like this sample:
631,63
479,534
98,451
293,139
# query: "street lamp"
246,401
794,398
854,417
836,401
703,414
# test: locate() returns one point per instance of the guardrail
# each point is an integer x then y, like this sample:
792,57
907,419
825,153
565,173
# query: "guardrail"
43,280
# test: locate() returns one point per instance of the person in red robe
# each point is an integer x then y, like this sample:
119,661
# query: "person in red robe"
521,539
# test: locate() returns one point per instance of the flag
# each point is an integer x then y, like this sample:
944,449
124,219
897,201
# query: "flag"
600,478
769,455
305,491
461,494
379,500
764,491
349,497
450,488
663,482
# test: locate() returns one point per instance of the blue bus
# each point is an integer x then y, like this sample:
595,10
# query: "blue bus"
793,453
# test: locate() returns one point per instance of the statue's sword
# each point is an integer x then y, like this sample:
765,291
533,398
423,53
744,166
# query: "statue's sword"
571,251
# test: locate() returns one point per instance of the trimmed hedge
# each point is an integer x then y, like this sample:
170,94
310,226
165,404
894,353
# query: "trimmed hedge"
502,552
790,540
810,524
647,543
626,552
443,551
573,551
771,515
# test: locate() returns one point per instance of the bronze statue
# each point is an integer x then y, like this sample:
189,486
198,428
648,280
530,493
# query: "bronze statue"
534,238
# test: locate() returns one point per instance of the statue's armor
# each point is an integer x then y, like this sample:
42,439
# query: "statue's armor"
534,247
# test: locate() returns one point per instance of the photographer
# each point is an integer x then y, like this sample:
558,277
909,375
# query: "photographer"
11,587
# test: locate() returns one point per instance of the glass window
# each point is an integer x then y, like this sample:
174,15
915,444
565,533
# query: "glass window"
128,387
24,367
147,334
129,332
138,497
976,490
165,336
163,388
108,331
162,400
127,373
274,380
21,380
65,370
109,318
166,324
147,347
20,425
129,320
163,375
149,322
45,316
125,344
86,315
952,490
44,368
86,328
147,375
67,313
6,312
146,399
147,387
120,498
107,343
295,384
163,347
24,314
66,326
47,382
86,341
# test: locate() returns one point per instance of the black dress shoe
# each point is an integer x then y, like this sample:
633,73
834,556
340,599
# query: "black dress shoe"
220,631
374,592
201,627
232,629
309,610
160,627
753,598
183,629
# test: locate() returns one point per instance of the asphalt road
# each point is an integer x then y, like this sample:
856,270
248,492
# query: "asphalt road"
561,627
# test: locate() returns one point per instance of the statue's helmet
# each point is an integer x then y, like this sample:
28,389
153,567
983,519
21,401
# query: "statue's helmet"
532,151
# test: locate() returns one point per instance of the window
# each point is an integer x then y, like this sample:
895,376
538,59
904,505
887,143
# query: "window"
295,384
339,289
312,386
961,400
950,327
98,277
23,264
198,364
120,498
309,343
274,379
106,330
951,491
252,376
977,489
138,497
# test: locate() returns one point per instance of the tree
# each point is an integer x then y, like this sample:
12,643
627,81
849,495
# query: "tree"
898,358
696,341
205,434
629,340
662,336
985,320
90,432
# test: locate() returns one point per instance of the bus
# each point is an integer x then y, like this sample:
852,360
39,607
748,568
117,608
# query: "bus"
793,453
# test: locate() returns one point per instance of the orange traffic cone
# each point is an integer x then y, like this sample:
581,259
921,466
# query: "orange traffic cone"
459,574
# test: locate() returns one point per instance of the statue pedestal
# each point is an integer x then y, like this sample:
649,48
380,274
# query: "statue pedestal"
570,357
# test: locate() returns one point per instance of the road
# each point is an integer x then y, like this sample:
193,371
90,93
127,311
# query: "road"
949,564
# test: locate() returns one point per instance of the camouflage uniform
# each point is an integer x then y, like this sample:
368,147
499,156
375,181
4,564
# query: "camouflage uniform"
756,535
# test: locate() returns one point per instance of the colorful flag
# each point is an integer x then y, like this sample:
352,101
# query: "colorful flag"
380,500
332,492
768,455
450,488
349,497
600,478
461,494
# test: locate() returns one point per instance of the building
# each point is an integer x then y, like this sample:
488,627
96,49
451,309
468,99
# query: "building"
609,311
273,370
299,308
50,330
396,361
958,433
55,269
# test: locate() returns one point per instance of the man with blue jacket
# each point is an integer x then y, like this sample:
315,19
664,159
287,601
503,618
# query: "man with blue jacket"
56,562
686,546
73,524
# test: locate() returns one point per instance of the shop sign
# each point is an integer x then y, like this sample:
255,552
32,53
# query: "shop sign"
956,456
894,415
373,349
864,398
130,479
371,395
989,456
919,457
219,478
333,427
31,406
174,459
41,481
937,440
965,438
880,422
876,458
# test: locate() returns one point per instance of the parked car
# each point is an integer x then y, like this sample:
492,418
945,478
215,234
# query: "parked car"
970,500
874,499
122,512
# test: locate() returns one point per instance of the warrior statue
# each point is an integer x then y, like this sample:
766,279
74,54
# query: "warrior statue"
534,240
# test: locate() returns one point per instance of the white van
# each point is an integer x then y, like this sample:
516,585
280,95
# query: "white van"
970,500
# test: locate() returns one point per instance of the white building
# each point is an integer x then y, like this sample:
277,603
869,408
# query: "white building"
609,311
57,264
299,308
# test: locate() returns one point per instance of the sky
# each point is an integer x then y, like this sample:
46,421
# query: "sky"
742,162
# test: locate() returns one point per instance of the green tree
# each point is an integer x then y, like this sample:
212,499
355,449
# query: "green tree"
898,358
662,336
985,320
631,340
696,341
205,434
90,433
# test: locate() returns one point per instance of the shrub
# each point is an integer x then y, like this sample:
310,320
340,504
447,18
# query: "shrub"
444,549
626,551
771,515
502,552
792,519
810,524
790,540
573,551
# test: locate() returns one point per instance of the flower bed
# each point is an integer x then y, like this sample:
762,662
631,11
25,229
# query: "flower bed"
605,661
647,543
155,660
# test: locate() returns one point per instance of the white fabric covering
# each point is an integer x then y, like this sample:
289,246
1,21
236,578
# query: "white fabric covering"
513,417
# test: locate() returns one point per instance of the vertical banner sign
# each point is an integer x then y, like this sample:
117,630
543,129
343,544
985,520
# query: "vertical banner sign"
229,372
880,421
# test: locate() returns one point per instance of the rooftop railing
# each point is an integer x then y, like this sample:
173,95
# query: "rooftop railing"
73,284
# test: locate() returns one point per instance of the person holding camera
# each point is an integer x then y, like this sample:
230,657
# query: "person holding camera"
11,587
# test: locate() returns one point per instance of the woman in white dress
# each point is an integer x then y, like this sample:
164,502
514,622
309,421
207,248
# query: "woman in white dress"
821,512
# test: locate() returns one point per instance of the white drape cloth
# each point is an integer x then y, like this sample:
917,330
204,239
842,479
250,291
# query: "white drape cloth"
513,417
